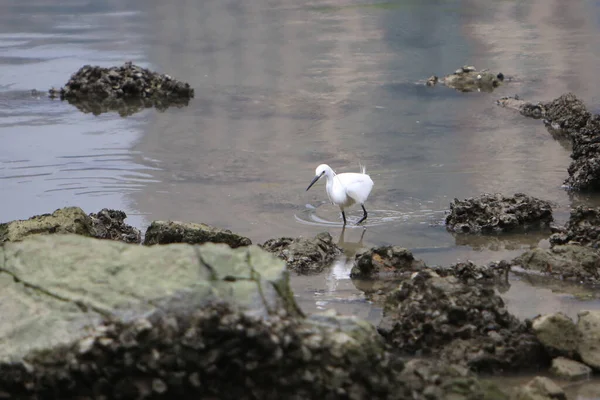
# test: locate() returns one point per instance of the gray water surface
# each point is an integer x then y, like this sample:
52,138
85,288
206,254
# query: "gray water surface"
282,86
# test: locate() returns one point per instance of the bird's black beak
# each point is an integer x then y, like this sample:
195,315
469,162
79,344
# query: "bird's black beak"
315,179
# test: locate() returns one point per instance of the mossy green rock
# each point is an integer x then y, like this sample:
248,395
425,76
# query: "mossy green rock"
54,287
63,220
165,232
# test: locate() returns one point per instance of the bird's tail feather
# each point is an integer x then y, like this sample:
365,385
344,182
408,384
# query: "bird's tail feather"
363,169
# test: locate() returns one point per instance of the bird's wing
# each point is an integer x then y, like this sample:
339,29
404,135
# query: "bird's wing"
358,186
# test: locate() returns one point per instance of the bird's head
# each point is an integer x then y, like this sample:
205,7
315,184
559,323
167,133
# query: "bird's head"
319,172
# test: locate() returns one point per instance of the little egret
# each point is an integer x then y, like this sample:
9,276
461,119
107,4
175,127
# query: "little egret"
345,189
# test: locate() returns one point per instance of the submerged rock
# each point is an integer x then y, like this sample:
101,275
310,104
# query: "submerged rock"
304,255
566,262
435,380
468,79
109,224
526,108
127,89
465,324
165,232
569,369
63,220
495,213
385,262
541,388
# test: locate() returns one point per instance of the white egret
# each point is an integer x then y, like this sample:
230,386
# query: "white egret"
345,189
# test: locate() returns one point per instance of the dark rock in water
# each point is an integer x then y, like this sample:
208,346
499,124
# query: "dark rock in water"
566,262
495,213
526,108
64,220
303,255
567,112
466,324
126,89
584,171
567,119
109,224
582,228
165,232
385,262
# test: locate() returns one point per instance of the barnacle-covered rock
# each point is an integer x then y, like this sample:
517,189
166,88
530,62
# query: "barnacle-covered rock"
495,213
305,255
126,89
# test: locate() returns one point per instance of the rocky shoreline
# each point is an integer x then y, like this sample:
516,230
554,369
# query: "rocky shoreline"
139,325
94,309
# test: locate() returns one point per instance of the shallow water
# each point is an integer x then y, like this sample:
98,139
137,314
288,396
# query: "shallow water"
282,86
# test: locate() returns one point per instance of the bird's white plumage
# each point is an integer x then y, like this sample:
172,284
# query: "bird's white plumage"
345,189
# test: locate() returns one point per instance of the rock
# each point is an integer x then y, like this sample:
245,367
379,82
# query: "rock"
569,369
567,117
557,332
432,80
385,262
582,228
439,381
588,326
567,112
566,262
468,79
527,109
586,390
465,324
59,284
213,352
305,256
495,273
126,89
109,224
494,213
83,318
63,220
584,171
541,388
165,232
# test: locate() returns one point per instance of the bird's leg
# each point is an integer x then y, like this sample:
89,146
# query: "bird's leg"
344,217
364,215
